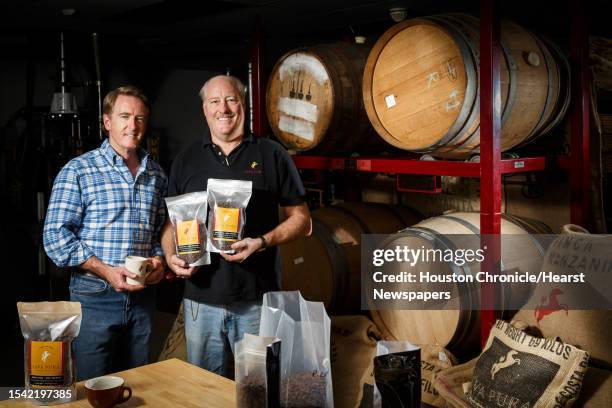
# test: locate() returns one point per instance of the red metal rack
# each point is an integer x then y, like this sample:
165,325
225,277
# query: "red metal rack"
491,166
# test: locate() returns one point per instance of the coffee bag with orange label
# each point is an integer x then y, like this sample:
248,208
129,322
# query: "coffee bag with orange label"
187,213
48,329
227,201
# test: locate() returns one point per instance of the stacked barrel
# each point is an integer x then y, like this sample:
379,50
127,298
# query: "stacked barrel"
420,89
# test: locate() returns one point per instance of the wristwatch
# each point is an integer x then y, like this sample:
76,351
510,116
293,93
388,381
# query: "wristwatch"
264,243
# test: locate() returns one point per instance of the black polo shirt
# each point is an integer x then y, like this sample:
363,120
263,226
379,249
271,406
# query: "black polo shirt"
276,182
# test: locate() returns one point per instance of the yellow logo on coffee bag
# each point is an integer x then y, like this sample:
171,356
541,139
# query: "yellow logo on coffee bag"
188,236
226,224
46,358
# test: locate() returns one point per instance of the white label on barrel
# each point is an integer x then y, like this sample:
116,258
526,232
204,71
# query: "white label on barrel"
298,261
303,63
519,164
390,101
300,109
297,127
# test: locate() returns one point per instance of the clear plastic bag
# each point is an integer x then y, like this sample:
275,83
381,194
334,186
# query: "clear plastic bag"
187,213
227,200
397,375
49,329
257,372
304,329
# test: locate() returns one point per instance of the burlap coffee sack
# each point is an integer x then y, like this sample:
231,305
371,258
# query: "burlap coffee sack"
353,347
596,389
453,382
433,360
175,345
527,371
574,251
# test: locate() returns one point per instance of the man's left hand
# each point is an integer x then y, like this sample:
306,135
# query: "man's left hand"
157,267
244,249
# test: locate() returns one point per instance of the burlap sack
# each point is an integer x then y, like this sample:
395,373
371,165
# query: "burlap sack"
596,389
453,382
433,360
175,345
353,347
525,371
591,330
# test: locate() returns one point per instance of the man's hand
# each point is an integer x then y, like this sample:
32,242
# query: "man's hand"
116,275
157,266
180,267
244,249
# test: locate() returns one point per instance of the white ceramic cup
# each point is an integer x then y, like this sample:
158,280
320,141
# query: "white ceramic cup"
139,266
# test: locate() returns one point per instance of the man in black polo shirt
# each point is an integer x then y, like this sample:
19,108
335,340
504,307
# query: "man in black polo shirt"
222,300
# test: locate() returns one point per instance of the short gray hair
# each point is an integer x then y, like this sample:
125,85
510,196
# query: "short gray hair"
237,83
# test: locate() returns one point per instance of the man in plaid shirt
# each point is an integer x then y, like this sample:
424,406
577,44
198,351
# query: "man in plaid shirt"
105,205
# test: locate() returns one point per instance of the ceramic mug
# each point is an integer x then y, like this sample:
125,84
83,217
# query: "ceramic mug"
107,391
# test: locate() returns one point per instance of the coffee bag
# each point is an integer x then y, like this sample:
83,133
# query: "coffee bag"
48,329
187,213
228,200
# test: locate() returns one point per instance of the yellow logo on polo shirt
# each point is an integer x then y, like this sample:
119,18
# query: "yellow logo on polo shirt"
254,168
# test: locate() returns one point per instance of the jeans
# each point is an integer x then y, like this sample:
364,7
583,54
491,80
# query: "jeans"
211,328
115,328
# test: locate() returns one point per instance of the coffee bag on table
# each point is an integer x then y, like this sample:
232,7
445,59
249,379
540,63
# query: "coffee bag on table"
48,329
304,329
397,375
257,372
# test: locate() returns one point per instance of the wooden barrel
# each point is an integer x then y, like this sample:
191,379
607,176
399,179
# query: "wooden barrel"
421,85
326,266
314,99
457,329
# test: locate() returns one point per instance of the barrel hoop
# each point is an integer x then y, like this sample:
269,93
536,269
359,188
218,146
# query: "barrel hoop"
475,106
338,259
474,139
471,91
465,322
512,82
336,93
527,228
564,73
505,292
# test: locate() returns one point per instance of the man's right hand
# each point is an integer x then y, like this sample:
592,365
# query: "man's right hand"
180,267
116,275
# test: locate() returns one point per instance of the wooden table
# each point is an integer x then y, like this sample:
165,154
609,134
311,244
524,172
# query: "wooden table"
169,383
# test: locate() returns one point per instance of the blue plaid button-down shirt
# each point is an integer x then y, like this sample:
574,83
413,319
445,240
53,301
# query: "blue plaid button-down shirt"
98,208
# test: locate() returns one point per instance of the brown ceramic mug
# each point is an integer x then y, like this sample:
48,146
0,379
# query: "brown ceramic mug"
107,391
